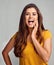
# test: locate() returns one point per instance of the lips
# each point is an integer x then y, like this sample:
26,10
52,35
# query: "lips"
30,22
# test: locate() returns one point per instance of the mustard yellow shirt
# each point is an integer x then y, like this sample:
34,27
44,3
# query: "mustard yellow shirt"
30,57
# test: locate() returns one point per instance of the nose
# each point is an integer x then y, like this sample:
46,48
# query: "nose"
30,16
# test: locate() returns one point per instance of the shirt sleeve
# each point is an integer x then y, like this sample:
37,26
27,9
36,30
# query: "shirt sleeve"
47,34
14,35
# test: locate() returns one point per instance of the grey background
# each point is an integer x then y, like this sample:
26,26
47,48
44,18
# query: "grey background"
10,11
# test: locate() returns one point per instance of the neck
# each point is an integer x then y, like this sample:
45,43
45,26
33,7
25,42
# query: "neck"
30,31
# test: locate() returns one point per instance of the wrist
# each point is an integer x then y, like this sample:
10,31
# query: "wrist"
33,36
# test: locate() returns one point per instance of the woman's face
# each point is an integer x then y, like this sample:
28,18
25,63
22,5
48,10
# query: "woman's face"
31,17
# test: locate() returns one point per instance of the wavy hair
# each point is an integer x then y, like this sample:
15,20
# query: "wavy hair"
21,37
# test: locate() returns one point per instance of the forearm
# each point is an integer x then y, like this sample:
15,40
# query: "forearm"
41,51
6,58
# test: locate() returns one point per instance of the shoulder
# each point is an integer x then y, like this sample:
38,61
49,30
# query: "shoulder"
47,34
14,35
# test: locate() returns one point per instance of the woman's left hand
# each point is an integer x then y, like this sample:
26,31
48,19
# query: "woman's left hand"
35,30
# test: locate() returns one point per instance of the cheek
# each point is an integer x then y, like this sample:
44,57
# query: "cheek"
36,21
26,20
26,17
36,18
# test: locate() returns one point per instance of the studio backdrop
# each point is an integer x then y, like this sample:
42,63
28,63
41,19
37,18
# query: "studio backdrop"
10,11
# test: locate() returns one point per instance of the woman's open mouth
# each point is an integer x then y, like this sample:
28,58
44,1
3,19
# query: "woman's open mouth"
30,22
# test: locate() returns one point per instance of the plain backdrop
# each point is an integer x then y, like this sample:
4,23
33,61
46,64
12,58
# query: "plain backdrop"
10,11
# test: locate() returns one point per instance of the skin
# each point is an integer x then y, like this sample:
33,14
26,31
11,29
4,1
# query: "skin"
31,15
44,52
6,51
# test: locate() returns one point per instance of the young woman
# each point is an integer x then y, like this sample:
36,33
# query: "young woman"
32,43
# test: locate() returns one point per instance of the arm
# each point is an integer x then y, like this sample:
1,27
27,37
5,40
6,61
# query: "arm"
7,49
45,51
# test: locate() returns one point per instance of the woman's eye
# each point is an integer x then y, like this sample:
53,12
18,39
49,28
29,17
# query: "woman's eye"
27,14
34,13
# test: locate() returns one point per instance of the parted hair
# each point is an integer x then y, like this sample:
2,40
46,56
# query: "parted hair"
22,33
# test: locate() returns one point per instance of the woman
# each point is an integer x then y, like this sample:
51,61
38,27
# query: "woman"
32,43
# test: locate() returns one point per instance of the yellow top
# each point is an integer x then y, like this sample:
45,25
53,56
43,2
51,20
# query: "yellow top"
30,57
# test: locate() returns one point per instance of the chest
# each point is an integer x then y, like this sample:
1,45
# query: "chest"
30,48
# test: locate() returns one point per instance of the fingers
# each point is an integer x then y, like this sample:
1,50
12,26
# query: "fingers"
35,25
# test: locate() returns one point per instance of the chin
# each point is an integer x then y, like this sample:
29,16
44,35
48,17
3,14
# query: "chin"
31,27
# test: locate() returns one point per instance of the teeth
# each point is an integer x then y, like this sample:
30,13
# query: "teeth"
30,21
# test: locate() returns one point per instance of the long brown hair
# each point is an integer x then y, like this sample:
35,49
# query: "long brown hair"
21,37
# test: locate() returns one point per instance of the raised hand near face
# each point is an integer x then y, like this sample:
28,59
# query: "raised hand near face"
35,29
